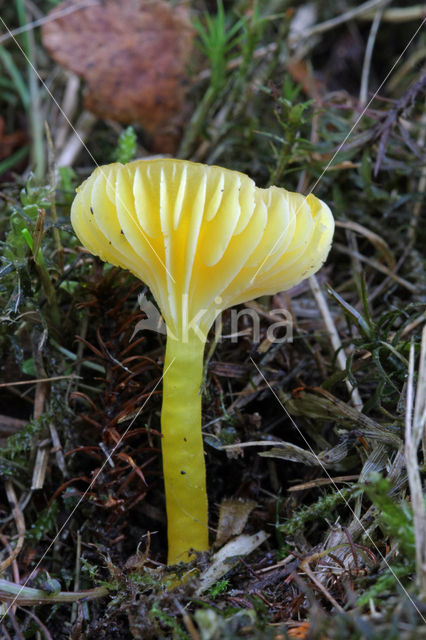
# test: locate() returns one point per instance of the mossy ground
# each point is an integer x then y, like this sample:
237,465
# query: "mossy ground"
344,520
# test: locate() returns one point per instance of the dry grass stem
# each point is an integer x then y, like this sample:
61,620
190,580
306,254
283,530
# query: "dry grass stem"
398,14
307,569
20,524
40,465
334,337
366,67
417,209
76,140
57,449
357,12
68,109
414,430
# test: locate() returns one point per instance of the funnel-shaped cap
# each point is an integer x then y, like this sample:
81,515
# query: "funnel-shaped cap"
203,238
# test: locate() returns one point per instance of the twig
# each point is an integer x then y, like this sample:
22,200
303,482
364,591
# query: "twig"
74,610
68,106
23,503
399,14
334,338
307,569
36,380
15,569
420,406
412,325
5,633
19,635
79,355
40,465
35,107
196,123
390,279
187,621
76,140
40,624
19,594
338,20
41,394
20,524
57,449
412,62
278,565
405,102
321,482
378,266
376,240
42,456
417,208
52,180
368,56
414,427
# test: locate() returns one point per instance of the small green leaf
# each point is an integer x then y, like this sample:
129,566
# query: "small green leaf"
127,146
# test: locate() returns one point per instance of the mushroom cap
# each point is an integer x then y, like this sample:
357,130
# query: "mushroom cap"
203,238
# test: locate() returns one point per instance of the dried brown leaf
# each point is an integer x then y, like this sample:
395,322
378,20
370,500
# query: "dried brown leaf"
233,516
133,56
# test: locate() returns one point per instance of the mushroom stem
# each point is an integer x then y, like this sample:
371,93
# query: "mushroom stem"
182,448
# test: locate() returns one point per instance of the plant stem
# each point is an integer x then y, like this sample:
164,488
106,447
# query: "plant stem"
34,109
25,596
52,180
182,449
284,157
197,122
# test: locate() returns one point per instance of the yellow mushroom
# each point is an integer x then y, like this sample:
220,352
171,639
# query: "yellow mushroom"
203,238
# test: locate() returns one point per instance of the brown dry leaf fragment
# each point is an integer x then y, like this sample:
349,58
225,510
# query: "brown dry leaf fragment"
233,516
133,56
301,631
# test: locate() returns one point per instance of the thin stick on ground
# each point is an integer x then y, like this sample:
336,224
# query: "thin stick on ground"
369,6
415,421
334,338
369,55
76,140
20,524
